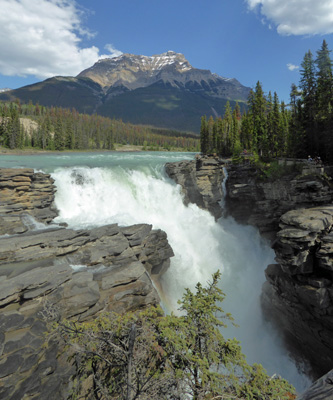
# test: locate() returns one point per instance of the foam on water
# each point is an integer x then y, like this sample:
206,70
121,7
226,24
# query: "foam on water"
97,196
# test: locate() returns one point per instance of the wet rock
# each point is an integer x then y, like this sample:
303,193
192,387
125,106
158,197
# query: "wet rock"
298,296
22,191
201,182
53,273
322,389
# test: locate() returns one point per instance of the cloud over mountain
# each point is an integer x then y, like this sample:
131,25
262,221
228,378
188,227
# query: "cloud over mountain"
44,38
297,17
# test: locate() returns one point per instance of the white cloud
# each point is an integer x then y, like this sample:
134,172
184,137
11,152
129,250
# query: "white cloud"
112,50
292,67
297,17
43,38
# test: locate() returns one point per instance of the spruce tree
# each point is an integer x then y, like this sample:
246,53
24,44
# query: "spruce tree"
324,81
257,107
227,128
324,102
59,139
308,97
204,139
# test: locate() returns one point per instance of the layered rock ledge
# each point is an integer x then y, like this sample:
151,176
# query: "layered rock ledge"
70,273
261,202
299,289
22,191
298,294
201,182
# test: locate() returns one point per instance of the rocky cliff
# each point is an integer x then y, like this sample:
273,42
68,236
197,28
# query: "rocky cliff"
201,182
77,273
299,289
296,213
259,201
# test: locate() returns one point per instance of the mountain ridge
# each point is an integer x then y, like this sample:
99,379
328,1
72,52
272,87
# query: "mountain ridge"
163,90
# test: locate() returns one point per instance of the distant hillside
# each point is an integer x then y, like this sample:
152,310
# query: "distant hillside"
163,91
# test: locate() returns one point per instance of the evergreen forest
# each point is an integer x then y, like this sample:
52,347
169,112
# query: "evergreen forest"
38,127
270,128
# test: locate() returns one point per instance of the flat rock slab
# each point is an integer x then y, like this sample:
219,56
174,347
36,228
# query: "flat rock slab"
49,272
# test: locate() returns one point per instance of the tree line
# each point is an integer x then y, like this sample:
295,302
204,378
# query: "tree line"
64,129
271,128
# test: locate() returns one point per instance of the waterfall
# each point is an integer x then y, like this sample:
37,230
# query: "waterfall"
94,196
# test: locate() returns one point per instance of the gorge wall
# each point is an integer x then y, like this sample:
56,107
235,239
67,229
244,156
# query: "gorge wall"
201,182
75,273
259,201
296,213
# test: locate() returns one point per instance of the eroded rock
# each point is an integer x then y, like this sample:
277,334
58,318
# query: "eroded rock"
261,202
53,273
201,182
25,193
299,289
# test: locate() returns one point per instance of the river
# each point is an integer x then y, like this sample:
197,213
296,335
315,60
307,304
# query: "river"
95,189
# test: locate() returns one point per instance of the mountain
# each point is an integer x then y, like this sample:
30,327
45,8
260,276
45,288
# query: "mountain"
162,90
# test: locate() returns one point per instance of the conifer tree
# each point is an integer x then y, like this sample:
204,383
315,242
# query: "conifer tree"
227,128
324,101
278,134
211,138
257,108
204,138
324,81
308,98
59,139
147,355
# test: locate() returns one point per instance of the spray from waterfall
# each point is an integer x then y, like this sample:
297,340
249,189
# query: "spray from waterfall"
88,197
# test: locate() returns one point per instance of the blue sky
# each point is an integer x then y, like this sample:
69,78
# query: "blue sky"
249,40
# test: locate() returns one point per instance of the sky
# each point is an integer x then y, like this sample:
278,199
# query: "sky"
250,40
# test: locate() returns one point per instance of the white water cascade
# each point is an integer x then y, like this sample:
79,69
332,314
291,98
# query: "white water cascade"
88,197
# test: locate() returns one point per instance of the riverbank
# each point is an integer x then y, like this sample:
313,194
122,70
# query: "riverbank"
30,151
118,148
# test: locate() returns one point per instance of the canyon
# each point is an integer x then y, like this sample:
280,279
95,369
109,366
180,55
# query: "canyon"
47,268
294,212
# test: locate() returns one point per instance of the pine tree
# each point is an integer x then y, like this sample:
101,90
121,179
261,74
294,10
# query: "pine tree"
59,139
278,134
146,355
324,81
227,128
257,108
235,129
308,97
324,101
204,138
211,139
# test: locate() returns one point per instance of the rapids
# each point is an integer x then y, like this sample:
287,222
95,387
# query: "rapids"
95,189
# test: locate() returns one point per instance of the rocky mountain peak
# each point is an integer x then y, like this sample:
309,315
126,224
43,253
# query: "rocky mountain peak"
133,71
